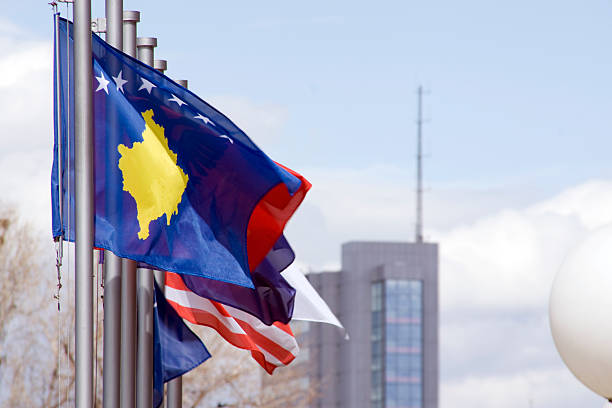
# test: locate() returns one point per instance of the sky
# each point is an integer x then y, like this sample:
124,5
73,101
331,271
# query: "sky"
516,144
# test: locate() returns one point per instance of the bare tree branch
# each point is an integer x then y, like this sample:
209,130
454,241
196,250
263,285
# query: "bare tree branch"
37,361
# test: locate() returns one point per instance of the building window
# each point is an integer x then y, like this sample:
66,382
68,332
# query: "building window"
403,348
378,347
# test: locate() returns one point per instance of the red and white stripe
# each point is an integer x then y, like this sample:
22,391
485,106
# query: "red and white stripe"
271,346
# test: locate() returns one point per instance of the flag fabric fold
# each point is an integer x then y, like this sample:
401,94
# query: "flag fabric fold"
176,349
270,301
177,185
271,346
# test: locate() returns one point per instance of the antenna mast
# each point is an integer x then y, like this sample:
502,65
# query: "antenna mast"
419,189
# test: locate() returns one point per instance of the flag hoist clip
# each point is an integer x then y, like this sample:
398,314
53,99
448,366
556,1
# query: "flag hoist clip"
98,25
59,243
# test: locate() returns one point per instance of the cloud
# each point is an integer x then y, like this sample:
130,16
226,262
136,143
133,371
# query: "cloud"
26,92
495,279
26,185
506,261
377,202
26,140
530,388
590,202
500,250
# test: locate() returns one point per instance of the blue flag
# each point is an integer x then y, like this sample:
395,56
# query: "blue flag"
272,299
176,350
177,185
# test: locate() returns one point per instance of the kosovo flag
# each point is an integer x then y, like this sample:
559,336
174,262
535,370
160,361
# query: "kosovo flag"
176,349
177,185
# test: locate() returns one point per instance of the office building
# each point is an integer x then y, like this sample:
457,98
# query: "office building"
386,295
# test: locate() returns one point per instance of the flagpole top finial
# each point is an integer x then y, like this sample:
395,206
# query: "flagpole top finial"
160,65
133,16
146,42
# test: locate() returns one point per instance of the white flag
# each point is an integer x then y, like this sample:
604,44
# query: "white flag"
308,304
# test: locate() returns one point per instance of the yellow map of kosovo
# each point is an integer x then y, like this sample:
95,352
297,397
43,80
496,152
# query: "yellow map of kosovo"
151,175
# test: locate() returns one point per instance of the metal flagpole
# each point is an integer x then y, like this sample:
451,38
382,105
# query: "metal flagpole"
128,277
160,65
160,276
83,125
175,386
130,19
175,393
144,364
145,46
144,355
112,263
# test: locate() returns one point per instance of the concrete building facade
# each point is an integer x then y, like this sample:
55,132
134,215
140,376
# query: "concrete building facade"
386,295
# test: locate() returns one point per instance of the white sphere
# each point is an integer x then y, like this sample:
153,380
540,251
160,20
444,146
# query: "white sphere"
581,312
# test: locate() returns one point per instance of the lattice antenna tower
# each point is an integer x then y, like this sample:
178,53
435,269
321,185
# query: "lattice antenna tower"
419,188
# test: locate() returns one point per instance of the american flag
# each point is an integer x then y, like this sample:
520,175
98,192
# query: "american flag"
271,346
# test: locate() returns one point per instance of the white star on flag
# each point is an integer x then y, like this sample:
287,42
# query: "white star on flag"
120,81
204,119
102,83
177,100
146,85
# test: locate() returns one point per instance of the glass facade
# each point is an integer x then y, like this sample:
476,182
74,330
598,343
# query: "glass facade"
397,344
378,346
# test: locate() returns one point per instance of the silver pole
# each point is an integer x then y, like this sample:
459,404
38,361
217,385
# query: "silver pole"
83,163
112,263
160,278
144,360
130,19
114,23
175,393
128,277
144,365
160,65
145,46
175,386
112,330
128,334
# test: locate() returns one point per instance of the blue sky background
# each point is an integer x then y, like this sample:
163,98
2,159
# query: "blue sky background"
518,89
517,144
